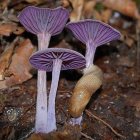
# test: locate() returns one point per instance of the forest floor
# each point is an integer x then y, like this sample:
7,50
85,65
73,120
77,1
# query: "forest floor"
117,102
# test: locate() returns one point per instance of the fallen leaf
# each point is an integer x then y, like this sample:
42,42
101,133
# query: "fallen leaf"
7,28
20,67
5,58
88,9
126,7
127,38
106,14
65,3
19,30
77,9
68,133
34,1
97,15
4,4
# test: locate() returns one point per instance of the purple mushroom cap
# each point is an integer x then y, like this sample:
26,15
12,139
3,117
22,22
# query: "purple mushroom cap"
43,60
38,20
97,31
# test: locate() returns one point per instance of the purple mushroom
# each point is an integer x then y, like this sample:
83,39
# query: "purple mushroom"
44,23
55,60
93,33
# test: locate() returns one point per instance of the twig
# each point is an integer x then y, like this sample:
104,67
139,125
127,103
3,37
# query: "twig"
27,135
105,123
86,136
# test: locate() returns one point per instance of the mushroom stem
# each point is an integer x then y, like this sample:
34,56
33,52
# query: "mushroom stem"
43,40
51,104
41,106
76,121
90,52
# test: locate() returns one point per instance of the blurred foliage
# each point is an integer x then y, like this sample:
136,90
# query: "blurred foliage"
138,2
99,6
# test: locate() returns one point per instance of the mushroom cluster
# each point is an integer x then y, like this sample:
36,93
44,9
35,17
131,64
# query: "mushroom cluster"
55,60
44,23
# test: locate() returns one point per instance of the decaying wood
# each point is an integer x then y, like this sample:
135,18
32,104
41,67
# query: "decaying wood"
19,69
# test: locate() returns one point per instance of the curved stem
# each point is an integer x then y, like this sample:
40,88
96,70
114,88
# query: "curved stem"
41,105
90,52
51,104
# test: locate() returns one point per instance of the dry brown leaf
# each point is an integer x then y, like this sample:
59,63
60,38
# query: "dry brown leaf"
34,1
20,67
5,58
128,39
65,3
4,4
19,30
126,7
88,9
105,15
36,137
97,15
7,29
68,133
77,9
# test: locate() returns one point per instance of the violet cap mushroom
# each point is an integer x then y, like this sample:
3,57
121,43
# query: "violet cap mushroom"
55,60
93,33
44,23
